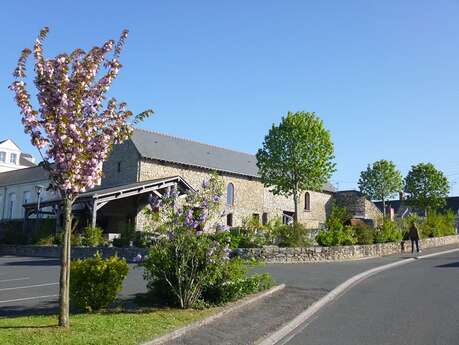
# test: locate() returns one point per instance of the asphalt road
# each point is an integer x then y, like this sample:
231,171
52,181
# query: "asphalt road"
30,285
415,304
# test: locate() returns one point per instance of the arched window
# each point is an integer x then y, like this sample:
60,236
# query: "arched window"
230,194
11,205
307,202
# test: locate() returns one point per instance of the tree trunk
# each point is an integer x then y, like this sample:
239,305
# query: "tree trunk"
64,281
384,209
295,202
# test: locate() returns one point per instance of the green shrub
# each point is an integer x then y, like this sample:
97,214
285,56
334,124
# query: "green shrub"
438,225
93,236
364,234
232,283
295,235
338,218
178,269
96,282
339,236
388,231
14,235
127,235
186,270
44,232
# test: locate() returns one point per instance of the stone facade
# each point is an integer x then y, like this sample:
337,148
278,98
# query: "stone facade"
274,254
359,206
125,165
250,196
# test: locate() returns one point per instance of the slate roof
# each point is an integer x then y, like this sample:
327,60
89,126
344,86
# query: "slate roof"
452,203
26,175
154,145
24,161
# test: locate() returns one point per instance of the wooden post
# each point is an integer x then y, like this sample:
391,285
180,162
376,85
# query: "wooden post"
94,214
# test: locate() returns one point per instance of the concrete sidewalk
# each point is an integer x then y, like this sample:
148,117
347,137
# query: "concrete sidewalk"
306,283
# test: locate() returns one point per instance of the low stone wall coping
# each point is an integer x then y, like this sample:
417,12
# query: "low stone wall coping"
269,254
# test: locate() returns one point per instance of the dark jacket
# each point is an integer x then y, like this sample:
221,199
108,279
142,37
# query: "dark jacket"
413,234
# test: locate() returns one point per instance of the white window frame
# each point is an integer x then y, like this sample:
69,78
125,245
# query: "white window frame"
14,158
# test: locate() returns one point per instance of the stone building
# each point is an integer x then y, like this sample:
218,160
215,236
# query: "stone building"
150,155
359,206
150,162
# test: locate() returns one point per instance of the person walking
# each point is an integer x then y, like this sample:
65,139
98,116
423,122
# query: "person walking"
413,235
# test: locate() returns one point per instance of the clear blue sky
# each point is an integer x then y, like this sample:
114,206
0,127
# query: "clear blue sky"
383,75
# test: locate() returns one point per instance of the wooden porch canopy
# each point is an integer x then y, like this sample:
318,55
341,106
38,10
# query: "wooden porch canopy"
98,198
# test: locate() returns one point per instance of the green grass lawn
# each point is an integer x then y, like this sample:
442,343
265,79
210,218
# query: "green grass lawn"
99,328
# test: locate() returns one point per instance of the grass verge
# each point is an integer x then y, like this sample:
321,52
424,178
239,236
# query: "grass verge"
98,328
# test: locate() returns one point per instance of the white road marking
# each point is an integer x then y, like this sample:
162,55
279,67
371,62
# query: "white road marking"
27,298
27,287
12,280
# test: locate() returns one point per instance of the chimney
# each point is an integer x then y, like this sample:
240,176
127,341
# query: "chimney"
401,196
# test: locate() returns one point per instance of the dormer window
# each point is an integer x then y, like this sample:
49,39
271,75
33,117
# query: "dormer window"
13,158
2,156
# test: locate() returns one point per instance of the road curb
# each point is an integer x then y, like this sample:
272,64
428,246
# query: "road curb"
290,326
197,324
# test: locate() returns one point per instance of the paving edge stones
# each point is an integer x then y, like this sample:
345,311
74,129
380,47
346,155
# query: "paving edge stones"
228,309
287,331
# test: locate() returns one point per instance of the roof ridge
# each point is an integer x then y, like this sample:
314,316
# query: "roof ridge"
192,141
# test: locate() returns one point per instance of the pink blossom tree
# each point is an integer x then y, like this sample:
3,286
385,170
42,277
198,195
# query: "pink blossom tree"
74,126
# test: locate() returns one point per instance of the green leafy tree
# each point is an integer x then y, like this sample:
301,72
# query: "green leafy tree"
427,187
380,181
297,155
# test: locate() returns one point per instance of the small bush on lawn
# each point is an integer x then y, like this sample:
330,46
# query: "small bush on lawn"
364,234
95,282
93,236
232,282
388,231
188,266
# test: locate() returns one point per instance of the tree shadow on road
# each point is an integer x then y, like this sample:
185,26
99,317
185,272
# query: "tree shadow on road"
450,265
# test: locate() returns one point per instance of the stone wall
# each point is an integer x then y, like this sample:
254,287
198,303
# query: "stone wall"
122,166
323,254
77,252
266,254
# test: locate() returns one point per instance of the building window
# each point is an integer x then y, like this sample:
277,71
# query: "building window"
27,199
2,156
307,201
287,217
11,205
229,219
119,167
256,217
264,218
13,158
230,194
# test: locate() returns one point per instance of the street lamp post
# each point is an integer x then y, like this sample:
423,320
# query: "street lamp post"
38,189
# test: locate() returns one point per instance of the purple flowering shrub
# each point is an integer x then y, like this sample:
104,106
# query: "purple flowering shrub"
199,211
191,263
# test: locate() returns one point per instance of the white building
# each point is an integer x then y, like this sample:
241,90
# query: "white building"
12,157
18,187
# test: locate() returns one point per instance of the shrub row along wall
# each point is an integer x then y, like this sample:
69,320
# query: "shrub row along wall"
321,254
77,252
267,254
